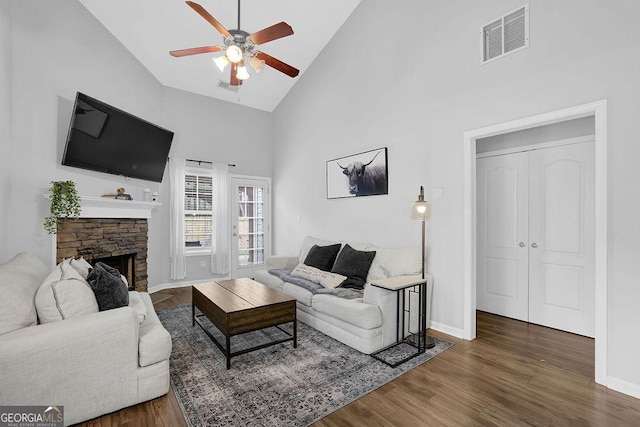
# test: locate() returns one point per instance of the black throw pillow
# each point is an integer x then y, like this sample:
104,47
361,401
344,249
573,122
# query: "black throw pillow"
355,265
108,287
322,257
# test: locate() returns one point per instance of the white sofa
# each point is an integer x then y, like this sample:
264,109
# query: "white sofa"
367,324
91,364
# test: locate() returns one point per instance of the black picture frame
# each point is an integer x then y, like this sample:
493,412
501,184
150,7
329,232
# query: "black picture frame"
362,174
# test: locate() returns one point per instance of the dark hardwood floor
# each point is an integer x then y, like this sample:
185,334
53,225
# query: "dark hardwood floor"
513,373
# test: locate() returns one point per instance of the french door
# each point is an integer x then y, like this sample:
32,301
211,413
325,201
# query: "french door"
250,234
536,237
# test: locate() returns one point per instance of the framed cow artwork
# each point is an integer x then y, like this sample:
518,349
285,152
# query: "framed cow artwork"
363,174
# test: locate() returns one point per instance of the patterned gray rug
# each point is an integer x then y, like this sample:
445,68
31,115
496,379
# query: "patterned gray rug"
274,386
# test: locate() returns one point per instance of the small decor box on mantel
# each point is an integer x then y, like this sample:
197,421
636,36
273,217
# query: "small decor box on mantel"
120,195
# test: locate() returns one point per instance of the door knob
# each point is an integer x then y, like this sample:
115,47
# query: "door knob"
234,234
522,244
534,245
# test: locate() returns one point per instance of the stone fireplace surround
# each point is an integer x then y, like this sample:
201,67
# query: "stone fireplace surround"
95,238
108,228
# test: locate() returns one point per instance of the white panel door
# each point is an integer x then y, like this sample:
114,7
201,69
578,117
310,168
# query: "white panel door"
502,260
561,234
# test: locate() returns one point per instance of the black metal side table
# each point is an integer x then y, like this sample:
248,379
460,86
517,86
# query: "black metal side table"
400,284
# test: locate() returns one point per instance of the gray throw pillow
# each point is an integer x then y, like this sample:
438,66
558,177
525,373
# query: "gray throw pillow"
322,257
355,265
108,287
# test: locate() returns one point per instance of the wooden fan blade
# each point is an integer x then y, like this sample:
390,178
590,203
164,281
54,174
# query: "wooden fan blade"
195,51
234,81
278,65
273,32
210,19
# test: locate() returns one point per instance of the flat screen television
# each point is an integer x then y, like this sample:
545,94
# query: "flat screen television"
106,139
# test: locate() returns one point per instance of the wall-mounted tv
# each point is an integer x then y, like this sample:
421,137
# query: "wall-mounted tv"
106,139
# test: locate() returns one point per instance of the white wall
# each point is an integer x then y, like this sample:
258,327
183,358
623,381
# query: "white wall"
5,124
59,48
351,100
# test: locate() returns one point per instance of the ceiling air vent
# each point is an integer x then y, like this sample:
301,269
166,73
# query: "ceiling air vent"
227,86
506,34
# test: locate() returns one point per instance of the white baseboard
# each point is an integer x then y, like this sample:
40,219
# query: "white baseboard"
182,284
624,387
446,329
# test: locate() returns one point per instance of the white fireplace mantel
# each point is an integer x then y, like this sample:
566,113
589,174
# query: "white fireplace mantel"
103,207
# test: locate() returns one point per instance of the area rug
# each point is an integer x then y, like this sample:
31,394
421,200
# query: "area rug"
274,386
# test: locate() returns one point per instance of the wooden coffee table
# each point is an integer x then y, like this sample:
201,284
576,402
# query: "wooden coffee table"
238,306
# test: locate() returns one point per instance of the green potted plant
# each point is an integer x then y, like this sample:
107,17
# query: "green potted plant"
65,203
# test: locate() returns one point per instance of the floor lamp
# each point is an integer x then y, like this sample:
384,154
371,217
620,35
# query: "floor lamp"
420,211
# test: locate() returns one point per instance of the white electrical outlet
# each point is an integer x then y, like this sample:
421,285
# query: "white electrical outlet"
203,264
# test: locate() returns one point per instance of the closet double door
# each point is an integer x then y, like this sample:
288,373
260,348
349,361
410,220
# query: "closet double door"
535,241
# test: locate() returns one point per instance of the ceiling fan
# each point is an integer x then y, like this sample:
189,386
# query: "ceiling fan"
238,45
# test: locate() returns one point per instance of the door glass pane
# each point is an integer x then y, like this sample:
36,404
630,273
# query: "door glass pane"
250,225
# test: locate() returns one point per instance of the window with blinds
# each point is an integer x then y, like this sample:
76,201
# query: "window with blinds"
505,35
198,210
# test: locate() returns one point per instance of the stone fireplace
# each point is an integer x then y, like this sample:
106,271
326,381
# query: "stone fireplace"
106,239
112,231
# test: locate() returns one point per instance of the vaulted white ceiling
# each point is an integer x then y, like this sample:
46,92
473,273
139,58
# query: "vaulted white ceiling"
149,29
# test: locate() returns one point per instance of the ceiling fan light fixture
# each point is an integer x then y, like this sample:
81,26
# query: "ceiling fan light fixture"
242,73
239,44
257,64
221,62
234,53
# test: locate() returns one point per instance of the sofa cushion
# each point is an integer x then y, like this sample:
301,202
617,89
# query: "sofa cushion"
108,287
20,279
325,278
64,294
395,262
355,265
322,257
272,281
355,312
27,263
301,294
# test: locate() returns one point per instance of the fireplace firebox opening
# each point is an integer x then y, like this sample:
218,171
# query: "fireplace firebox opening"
125,264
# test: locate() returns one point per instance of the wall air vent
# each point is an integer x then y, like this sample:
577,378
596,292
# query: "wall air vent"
505,35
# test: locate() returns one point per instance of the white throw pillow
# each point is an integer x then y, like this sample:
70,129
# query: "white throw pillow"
81,266
64,294
395,262
325,278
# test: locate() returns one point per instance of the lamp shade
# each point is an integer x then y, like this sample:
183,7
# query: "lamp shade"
258,64
420,210
242,73
221,62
